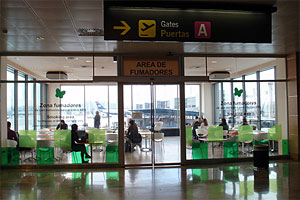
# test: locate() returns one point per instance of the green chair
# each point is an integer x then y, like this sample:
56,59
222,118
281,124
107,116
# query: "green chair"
76,157
245,135
189,136
200,151
45,155
97,137
112,154
62,140
27,143
215,134
275,134
10,156
27,138
231,149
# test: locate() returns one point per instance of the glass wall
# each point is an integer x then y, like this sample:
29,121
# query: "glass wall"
31,86
251,100
11,97
96,99
226,105
192,103
73,101
21,102
268,102
38,123
238,108
249,106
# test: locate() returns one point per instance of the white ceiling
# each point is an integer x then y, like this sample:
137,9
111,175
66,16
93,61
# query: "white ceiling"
58,21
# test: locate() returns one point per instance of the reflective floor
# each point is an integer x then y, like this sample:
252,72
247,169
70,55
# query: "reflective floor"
226,181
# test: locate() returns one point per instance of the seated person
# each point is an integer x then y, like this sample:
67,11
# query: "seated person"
203,130
196,124
62,125
158,125
78,147
11,134
224,124
132,135
245,122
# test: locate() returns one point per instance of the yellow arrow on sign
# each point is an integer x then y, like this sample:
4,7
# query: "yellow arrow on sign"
126,27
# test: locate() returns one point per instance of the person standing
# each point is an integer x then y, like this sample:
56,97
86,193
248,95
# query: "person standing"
97,120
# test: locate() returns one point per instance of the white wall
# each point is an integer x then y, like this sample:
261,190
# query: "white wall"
207,102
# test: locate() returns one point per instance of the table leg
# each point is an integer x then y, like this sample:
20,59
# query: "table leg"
146,149
91,153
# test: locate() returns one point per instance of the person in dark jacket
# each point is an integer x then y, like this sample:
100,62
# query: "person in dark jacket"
62,125
11,134
97,120
78,147
224,124
196,124
132,135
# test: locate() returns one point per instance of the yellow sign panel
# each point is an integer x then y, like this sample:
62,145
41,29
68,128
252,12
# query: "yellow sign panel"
150,66
147,28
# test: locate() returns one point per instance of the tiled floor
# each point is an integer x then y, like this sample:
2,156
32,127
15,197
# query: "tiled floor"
226,181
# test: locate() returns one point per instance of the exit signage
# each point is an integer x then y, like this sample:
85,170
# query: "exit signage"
155,23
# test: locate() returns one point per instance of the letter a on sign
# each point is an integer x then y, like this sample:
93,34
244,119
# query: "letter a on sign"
202,30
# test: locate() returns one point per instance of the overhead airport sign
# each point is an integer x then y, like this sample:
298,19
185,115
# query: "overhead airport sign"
187,25
150,66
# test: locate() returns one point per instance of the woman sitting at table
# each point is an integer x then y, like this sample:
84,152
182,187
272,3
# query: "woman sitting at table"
245,122
62,125
78,147
224,124
203,130
132,135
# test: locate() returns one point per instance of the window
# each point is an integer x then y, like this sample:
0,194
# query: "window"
260,113
21,102
113,106
192,102
238,103
227,106
30,104
96,99
38,108
251,100
11,97
267,99
73,111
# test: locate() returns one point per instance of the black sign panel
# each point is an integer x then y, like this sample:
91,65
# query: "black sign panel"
187,25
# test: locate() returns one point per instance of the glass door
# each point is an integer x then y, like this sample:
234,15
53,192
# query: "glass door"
155,111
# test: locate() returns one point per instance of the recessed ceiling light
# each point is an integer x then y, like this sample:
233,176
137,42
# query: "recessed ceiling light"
40,38
66,66
213,62
88,61
227,69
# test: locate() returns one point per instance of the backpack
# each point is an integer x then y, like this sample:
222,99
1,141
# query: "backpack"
137,138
